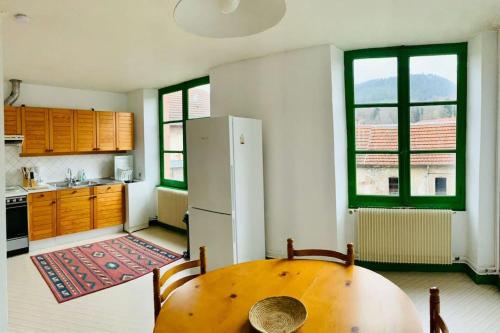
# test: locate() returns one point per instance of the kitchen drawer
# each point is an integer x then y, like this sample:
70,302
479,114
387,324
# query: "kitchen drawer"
108,188
73,192
42,196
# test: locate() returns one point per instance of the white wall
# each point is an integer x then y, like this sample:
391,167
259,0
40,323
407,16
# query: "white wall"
498,162
48,96
54,168
340,145
3,236
144,104
481,149
292,93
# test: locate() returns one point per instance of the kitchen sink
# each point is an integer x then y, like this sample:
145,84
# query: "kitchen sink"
83,183
59,184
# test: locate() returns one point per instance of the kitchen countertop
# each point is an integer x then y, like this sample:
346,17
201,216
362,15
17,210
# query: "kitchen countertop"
47,187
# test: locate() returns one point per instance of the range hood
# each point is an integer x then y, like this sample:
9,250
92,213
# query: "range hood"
13,139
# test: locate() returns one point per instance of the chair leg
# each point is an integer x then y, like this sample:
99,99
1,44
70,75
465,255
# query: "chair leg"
350,254
156,292
289,248
433,308
203,260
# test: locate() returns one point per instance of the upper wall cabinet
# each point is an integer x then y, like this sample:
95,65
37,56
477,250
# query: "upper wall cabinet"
124,131
64,131
106,131
61,131
85,131
12,120
35,128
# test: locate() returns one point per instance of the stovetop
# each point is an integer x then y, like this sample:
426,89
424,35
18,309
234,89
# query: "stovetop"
14,191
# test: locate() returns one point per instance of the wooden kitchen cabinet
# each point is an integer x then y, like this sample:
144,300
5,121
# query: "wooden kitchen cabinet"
106,131
74,211
124,131
12,120
61,131
85,131
108,205
41,215
36,130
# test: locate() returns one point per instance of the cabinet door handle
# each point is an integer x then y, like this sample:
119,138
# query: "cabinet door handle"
54,202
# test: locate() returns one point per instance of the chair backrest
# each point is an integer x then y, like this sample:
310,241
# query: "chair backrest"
347,258
158,282
437,323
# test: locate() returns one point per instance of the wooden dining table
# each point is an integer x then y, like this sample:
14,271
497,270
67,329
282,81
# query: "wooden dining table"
337,298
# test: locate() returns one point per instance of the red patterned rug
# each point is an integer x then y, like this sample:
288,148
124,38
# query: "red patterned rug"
78,271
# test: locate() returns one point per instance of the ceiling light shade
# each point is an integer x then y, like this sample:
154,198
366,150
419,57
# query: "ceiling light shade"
228,18
228,6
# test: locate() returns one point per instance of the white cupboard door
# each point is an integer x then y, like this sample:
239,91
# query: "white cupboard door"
209,173
215,232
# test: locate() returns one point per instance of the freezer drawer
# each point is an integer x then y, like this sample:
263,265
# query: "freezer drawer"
215,231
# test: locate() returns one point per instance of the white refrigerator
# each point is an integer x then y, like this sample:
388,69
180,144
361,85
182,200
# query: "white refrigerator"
226,189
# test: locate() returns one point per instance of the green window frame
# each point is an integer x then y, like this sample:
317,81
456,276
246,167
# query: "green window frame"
403,104
183,88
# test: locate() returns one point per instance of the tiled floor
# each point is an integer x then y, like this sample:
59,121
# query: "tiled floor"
466,307
124,308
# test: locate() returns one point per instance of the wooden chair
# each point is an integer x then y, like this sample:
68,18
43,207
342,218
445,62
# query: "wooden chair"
437,323
348,258
158,281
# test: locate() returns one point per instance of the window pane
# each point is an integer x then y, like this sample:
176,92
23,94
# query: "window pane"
173,166
433,78
172,106
173,136
425,171
433,127
373,173
199,102
375,80
376,129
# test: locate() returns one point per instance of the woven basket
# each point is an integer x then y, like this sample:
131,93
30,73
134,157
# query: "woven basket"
281,314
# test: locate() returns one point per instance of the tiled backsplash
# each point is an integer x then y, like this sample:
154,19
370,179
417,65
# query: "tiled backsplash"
53,168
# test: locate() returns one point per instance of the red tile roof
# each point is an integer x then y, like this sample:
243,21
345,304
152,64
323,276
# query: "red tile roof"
424,135
199,104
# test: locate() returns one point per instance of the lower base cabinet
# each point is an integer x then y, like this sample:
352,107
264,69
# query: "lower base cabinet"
108,209
42,215
69,211
74,214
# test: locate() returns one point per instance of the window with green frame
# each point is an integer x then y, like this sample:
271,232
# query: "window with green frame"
406,125
178,103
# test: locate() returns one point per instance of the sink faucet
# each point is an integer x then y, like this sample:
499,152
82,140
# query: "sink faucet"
69,175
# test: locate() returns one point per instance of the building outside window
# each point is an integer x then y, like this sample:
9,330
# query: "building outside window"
440,186
393,185
406,126
179,103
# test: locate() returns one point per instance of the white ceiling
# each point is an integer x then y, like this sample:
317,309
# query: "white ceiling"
122,45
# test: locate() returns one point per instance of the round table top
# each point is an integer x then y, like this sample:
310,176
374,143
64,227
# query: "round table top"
337,298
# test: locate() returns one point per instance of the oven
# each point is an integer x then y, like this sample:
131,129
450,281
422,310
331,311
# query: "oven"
17,225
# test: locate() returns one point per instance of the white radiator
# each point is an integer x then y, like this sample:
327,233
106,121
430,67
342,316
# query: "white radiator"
417,236
172,205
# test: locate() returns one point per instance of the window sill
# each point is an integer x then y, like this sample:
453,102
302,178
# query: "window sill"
170,188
